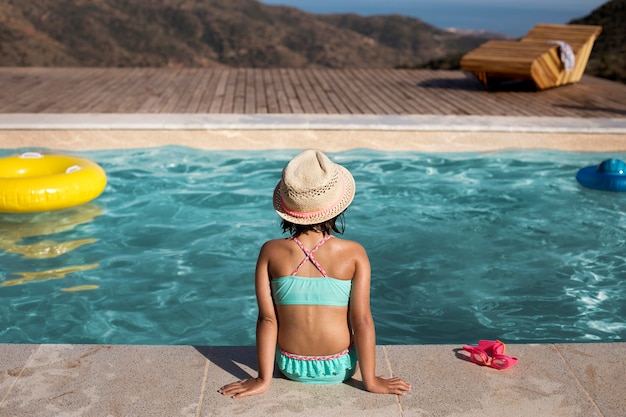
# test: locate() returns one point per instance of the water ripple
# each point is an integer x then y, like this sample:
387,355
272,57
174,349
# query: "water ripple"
463,246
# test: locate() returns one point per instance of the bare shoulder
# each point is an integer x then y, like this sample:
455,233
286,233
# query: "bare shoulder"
273,244
350,247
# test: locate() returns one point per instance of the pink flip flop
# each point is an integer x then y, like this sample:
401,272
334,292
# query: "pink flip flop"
492,347
490,353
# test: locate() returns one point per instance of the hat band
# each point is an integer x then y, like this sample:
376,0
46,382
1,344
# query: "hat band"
311,214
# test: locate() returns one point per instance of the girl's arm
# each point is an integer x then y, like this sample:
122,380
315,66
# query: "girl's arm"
266,336
365,334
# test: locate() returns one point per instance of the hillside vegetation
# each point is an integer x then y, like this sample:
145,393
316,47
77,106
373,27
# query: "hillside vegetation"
211,33
608,57
247,33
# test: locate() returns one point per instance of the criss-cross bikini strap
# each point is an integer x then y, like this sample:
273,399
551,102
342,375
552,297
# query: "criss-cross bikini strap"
309,254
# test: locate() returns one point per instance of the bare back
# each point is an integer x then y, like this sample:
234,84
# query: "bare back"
313,329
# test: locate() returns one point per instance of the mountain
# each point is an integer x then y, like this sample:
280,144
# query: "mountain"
214,33
608,56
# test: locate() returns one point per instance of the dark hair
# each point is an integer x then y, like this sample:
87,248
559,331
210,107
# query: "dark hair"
324,227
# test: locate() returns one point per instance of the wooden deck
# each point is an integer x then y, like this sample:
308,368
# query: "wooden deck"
298,91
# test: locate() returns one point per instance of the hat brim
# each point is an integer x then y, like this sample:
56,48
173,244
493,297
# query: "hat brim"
323,214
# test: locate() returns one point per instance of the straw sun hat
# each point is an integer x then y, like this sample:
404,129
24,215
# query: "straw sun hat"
313,189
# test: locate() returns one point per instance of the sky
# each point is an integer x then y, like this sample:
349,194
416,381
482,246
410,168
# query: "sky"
515,18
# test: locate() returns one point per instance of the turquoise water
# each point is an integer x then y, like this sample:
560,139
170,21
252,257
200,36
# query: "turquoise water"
463,246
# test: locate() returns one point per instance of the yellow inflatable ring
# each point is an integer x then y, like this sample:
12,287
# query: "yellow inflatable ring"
33,182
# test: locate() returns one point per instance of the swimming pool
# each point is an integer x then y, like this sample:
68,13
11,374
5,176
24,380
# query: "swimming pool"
463,246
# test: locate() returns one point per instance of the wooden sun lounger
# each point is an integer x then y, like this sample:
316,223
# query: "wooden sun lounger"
534,57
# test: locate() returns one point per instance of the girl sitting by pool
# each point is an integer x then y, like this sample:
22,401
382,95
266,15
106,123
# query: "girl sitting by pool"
313,289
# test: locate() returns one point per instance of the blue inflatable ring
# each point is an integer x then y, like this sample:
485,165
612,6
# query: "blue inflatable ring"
610,175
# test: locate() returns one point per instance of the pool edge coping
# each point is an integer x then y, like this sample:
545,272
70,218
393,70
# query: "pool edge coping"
215,121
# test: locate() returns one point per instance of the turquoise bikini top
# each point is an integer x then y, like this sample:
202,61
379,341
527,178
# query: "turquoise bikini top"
322,291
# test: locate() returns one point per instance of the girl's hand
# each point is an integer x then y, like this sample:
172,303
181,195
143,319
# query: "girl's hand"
244,388
383,385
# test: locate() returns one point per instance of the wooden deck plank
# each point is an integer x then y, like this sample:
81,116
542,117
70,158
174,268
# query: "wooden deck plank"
126,91
228,105
77,83
210,99
290,91
460,95
14,96
184,84
273,90
322,91
175,83
48,95
318,92
281,95
411,100
311,90
13,91
154,90
200,92
353,95
459,88
239,92
250,92
219,92
43,95
330,91
141,92
607,90
270,92
357,91
260,99
138,90
425,100
371,87
302,91
376,86
66,95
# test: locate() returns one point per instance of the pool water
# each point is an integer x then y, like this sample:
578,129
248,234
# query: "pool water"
463,247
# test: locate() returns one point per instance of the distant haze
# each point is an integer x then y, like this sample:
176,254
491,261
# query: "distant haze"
505,16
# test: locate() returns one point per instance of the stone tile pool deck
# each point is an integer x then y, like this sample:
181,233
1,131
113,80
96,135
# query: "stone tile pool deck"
550,380
564,380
